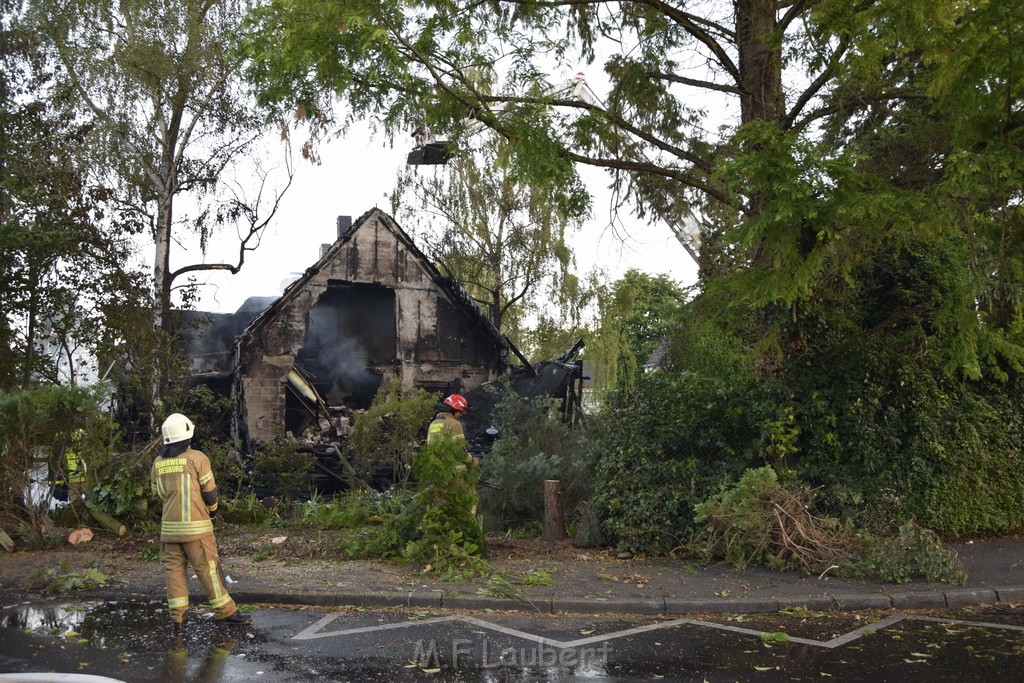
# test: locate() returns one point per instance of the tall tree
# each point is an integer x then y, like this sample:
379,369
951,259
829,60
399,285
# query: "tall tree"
635,314
62,252
507,245
176,130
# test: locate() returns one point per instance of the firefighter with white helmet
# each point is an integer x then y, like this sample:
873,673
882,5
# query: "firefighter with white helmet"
183,480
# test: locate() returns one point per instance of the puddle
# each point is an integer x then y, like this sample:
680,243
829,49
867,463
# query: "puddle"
128,640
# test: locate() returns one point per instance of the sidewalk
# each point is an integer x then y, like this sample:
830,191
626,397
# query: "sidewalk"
585,581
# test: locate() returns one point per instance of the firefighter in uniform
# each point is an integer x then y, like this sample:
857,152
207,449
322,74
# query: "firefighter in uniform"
448,418
77,470
69,480
183,480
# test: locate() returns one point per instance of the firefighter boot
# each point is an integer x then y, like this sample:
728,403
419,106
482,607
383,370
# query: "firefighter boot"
236,619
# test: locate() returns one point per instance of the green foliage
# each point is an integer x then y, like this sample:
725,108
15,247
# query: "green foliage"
448,536
861,247
62,579
634,315
534,446
245,509
277,466
228,466
536,577
499,236
762,520
885,425
35,426
668,444
64,249
211,414
433,524
913,552
264,551
151,553
386,434
355,509
644,307
163,150
122,487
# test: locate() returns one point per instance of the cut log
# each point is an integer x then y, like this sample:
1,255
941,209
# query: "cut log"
6,541
78,536
108,522
554,519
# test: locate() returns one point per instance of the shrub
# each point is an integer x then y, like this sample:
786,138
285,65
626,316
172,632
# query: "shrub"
892,438
122,487
387,432
534,446
211,414
448,534
35,425
666,446
278,467
890,425
763,521
434,523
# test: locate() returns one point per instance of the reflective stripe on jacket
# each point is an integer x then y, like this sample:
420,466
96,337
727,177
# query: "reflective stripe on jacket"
445,422
180,481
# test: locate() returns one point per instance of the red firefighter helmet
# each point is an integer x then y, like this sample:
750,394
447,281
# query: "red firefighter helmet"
457,402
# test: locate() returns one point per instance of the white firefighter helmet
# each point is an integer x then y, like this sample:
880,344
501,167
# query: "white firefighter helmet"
177,428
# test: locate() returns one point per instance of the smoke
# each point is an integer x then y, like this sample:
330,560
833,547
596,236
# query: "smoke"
351,329
209,337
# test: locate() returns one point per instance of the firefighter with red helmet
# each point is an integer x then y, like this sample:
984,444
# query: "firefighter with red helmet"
450,411
447,420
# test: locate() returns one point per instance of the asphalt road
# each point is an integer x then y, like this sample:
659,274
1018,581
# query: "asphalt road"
132,641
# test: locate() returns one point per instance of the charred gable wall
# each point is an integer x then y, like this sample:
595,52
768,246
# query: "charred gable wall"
372,309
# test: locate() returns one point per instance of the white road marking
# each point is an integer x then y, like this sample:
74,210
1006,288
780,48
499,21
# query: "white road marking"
315,631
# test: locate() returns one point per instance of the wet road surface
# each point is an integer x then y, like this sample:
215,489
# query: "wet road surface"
132,641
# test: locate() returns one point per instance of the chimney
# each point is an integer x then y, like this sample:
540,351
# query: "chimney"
323,249
344,225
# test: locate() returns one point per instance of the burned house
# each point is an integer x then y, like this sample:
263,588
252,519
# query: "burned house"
373,309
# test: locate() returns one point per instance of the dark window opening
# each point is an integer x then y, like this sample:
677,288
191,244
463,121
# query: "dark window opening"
351,332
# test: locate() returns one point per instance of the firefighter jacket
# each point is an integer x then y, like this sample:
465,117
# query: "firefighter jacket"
184,483
76,467
445,423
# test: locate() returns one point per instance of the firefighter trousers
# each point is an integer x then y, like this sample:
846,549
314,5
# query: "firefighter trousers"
201,554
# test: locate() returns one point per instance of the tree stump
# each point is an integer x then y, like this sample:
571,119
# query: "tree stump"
554,519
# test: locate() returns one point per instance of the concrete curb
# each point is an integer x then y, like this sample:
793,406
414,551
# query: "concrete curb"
849,602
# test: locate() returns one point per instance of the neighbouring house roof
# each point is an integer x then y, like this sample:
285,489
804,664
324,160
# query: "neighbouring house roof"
211,336
659,355
449,285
